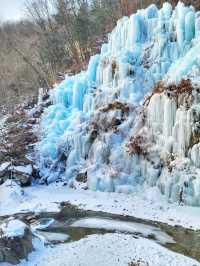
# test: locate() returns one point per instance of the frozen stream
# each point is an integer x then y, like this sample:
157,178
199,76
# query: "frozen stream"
73,224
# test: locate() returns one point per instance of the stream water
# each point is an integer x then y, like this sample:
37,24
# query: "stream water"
73,224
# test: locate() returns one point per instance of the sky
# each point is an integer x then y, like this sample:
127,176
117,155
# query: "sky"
11,9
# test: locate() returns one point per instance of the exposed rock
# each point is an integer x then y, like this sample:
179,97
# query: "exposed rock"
15,241
18,140
35,173
116,105
136,146
82,177
24,179
22,174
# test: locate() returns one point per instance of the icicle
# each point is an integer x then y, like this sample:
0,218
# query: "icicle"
92,68
169,116
79,90
189,26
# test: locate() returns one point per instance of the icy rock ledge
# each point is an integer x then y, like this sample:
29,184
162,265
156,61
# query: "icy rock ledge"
97,115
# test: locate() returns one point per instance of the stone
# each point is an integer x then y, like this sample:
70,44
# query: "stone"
15,248
24,179
82,177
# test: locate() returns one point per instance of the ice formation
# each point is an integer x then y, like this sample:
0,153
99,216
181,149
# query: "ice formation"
97,116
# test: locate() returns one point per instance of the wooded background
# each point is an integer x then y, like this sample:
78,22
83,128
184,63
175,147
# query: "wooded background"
56,36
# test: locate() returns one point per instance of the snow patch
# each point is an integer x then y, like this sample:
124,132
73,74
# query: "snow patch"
13,228
108,249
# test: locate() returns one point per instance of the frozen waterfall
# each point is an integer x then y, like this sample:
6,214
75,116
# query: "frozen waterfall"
95,112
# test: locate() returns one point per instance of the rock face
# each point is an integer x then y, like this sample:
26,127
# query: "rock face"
18,138
99,125
15,241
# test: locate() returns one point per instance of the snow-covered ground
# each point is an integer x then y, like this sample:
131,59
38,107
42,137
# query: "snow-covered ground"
148,204
111,249
2,125
2,120
103,250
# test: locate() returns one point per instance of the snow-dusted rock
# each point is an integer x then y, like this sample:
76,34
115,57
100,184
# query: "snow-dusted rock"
4,166
15,241
13,228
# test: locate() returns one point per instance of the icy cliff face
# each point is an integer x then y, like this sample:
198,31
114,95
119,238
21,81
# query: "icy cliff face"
97,127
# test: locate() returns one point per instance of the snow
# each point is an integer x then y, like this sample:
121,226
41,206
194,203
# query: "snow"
148,204
108,249
3,120
24,169
11,191
11,196
13,228
4,166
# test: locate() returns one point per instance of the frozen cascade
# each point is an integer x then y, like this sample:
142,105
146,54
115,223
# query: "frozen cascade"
96,112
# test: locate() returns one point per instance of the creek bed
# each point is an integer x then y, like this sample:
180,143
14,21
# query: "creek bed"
72,224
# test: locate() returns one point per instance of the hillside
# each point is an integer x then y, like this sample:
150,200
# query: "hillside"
39,49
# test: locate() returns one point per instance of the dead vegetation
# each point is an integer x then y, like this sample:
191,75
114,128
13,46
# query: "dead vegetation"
168,162
104,124
184,86
18,139
136,146
195,138
18,133
114,68
139,263
18,136
117,105
176,91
